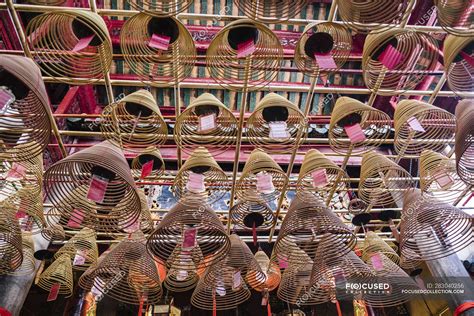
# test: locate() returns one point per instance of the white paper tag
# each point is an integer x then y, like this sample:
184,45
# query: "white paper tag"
278,130
265,183
79,258
207,122
236,280
195,183
181,275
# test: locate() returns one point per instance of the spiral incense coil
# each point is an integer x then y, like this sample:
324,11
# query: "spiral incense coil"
412,262
464,144
102,170
374,244
328,39
262,179
309,224
81,248
458,56
296,284
373,15
158,166
271,270
318,176
160,64
29,212
146,219
271,11
246,214
348,112
59,272
71,44
382,181
410,55
432,229
438,177
127,274
180,280
276,125
47,2
10,240
437,125
53,232
200,175
25,126
135,122
162,7
456,16
257,64
210,240
28,264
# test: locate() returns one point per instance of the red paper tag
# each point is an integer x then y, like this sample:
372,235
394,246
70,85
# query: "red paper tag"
76,218
236,280
147,168
97,189
161,42
53,292
20,214
6,98
189,239
246,48
195,183
444,180
325,61
415,125
278,130
264,183
17,172
207,122
468,58
355,133
390,57
83,43
377,262
283,263
320,178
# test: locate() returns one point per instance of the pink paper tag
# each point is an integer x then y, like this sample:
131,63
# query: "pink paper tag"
444,180
189,240
283,263
468,58
83,43
161,42
355,133
236,280
377,262
390,57
6,98
393,102
264,183
415,125
320,178
325,61
246,48
97,189
17,172
278,130
20,214
147,168
196,183
76,218
53,292
79,258
264,300
207,122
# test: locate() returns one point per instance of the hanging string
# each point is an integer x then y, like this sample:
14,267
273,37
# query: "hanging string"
338,307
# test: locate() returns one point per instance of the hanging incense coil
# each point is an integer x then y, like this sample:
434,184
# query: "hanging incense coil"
276,125
200,175
71,44
271,11
296,284
438,177
113,197
382,181
262,179
160,50
419,120
47,2
29,212
464,144
456,16
158,165
127,274
11,246
309,224
246,214
432,229
318,176
84,245
210,240
459,64
349,114
206,122
59,272
162,7
328,39
374,244
271,270
135,122
259,63
28,264
53,232
146,219
25,126
410,55
374,15
180,280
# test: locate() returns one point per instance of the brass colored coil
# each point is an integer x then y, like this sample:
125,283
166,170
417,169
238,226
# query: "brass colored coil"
161,7
296,283
245,213
82,244
456,16
374,244
53,232
47,2
459,71
464,141
271,270
145,157
271,11
28,265
11,246
59,272
180,280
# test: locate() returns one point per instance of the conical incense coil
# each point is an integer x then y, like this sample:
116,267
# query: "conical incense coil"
127,274
456,16
271,11
81,248
146,219
207,122
258,62
382,181
162,7
357,127
94,188
10,240
143,168
25,126
202,176
295,286
180,280
398,60
47,2
192,225
71,44
28,264
29,211
249,213
135,122
271,271
374,15
431,229
438,177
416,120
276,125
262,178
59,273
458,64
374,244
21,182
464,144
330,40
53,232
309,224
318,176
160,50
